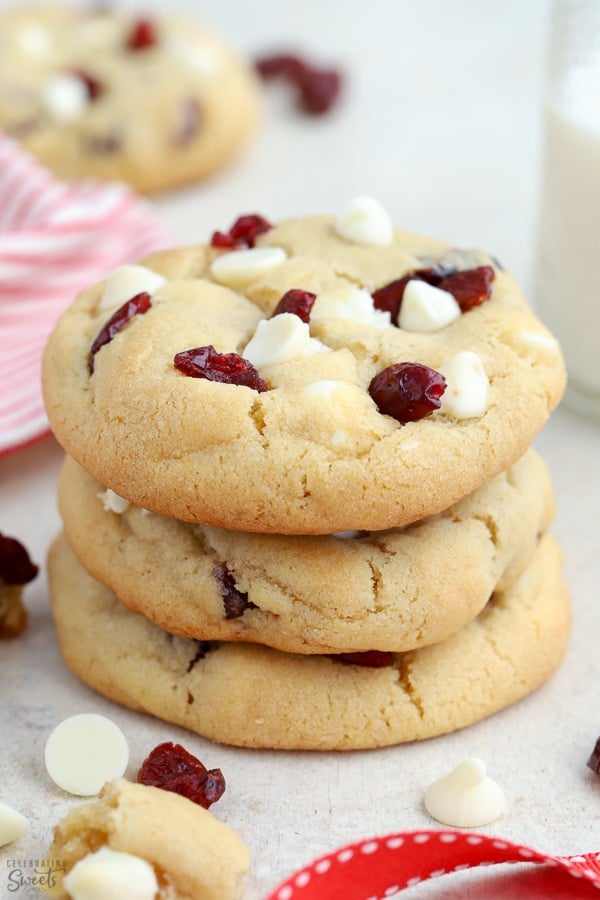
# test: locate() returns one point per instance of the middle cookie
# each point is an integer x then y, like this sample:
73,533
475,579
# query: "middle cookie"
394,590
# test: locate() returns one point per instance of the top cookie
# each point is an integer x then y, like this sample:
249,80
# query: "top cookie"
154,102
298,432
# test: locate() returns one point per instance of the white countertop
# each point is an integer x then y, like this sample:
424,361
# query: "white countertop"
441,122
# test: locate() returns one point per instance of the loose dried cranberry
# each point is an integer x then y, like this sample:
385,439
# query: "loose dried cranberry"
469,288
142,35
298,302
318,89
594,761
243,232
93,86
235,602
371,659
226,368
407,391
139,304
171,767
15,565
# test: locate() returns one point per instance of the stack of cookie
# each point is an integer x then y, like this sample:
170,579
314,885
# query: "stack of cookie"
301,508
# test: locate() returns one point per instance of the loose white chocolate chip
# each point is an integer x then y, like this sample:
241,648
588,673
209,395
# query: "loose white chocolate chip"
65,97
466,797
365,221
85,751
126,282
107,874
349,302
466,394
13,825
280,339
426,308
112,502
238,267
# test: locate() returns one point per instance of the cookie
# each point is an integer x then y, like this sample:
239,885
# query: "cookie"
191,854
279,428
154,102
392,590
254,696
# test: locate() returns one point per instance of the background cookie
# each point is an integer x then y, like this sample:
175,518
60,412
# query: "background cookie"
155,102
261,697
192,852
312,454
393,590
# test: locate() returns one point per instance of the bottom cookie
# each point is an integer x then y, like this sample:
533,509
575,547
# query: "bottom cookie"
254,696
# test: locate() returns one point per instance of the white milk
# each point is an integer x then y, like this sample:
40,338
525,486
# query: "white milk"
569,261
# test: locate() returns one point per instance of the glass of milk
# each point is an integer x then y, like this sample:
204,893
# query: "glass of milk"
568,286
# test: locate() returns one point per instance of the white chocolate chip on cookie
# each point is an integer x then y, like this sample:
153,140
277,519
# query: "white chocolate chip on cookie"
108,873
466,394
113,502
426,308
239,267
280,339
365,221
126,282
65,97
349,302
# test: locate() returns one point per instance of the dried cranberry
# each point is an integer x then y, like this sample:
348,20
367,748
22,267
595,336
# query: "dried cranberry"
139,304
407,391
318,89
15,565
298,302
235,602
93,86
594,761
142,35
371,659
226,368
170,767
243,232
469,288
104,144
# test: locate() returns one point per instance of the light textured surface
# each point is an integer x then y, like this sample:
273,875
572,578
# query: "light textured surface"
441,120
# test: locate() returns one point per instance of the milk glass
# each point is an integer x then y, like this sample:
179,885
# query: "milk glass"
568,285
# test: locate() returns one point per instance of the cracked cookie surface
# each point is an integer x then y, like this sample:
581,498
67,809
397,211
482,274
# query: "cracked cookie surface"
254,696
312,454
393,590
155,102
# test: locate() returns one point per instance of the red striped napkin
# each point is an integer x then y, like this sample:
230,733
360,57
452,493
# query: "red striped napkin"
55,239
382,867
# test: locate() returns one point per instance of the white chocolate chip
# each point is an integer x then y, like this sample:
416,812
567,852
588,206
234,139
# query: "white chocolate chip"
339,438
239,267
426,308
466,797
365,221
321,390
466,394
126,282
204,60
85,751
65,97
280,339
540,340
33,39
349,302
112,502
107,874
346,535
13,825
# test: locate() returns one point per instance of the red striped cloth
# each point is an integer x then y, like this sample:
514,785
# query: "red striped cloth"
55,239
